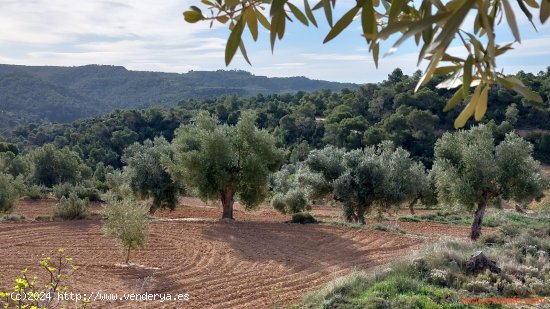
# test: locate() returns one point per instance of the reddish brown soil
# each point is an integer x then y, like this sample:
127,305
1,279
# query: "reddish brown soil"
436,230
256,262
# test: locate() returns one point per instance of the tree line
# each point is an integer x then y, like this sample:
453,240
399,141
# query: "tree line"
350,119
234,148
227,162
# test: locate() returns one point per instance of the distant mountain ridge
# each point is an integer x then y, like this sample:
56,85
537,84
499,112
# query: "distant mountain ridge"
64,94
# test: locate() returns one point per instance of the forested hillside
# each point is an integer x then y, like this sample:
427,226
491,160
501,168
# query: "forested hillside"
64,94
303,121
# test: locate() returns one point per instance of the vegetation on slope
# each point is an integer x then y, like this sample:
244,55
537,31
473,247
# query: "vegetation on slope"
441,276
64,94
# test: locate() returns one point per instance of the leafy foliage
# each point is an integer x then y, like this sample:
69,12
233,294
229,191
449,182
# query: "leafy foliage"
468,165
146,174
303,218
83,191
53,166
294,201
31,294
71,207
119,185
8,193
127,221
8,147
389,110
222,161
433,25
375,177
472,172
36,192
65,94
15,165
289,197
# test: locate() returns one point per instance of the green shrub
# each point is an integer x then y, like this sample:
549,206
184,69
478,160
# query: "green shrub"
118,184
13,217
293,201
54,273
278,203
303,218
71,208
62,190
387,291
36,192
8,193
127,221
81,190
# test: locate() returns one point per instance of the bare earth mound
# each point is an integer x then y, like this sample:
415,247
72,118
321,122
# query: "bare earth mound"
256,262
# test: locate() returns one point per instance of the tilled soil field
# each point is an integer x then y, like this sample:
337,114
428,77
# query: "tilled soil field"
257,261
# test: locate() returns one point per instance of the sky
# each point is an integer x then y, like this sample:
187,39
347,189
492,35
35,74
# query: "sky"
151,35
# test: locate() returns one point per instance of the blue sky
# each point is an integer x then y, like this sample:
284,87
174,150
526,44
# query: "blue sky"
151,35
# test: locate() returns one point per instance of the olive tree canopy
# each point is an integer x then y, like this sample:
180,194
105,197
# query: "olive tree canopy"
379,177
223,162
147,175
470,171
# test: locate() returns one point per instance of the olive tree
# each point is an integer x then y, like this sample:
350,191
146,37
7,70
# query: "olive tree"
223,162
362,179
8,193
289,197
434,25
322,168
361,184
147,175
119,185
418,186
53,166
127,221
15,164
470,171
291,202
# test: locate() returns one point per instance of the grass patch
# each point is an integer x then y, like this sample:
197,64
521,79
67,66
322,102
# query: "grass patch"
520,220
439,275
345,224
439,217
492,219
391,290
410,219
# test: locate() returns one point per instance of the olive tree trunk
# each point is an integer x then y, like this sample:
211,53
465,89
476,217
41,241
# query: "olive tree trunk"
478,217
412,203
361,218
127,256
227,203
411,207
154,206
